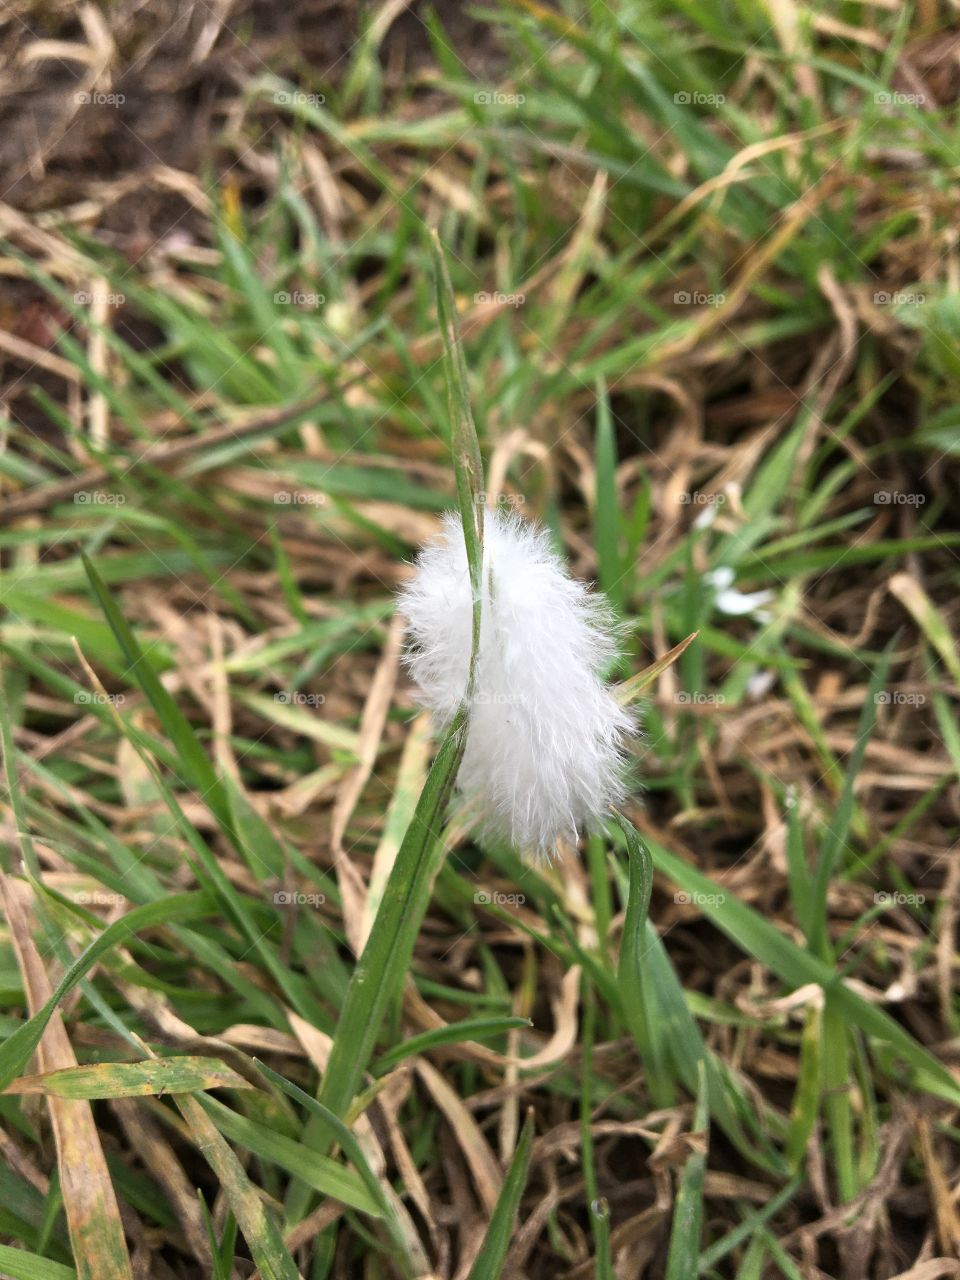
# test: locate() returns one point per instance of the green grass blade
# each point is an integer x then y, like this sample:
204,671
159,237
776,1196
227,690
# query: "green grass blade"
383,965
599,1209
384,962
687,1226
606,518
320,1172
454,1033
632,978
748,1227
17,1264
197,769
806,1097
493,1251
354,1153
838,826
259,1228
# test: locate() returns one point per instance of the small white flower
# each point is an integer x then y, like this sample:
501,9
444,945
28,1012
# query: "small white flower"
544,753
734,603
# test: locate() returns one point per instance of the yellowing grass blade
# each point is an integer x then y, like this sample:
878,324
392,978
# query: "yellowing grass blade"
89,1200
133,1079
259,1230
633,688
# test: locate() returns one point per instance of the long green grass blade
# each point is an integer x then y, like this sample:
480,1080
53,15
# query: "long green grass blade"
685,1232
493,1251
17,1264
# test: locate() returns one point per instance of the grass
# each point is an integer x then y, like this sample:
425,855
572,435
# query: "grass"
287,1017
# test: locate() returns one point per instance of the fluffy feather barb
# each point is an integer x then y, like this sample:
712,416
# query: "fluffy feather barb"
544,754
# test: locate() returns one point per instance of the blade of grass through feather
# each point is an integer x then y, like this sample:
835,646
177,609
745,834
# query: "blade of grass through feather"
383,964
385,959
465,447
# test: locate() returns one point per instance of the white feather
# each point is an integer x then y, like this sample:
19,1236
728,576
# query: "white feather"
544,753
